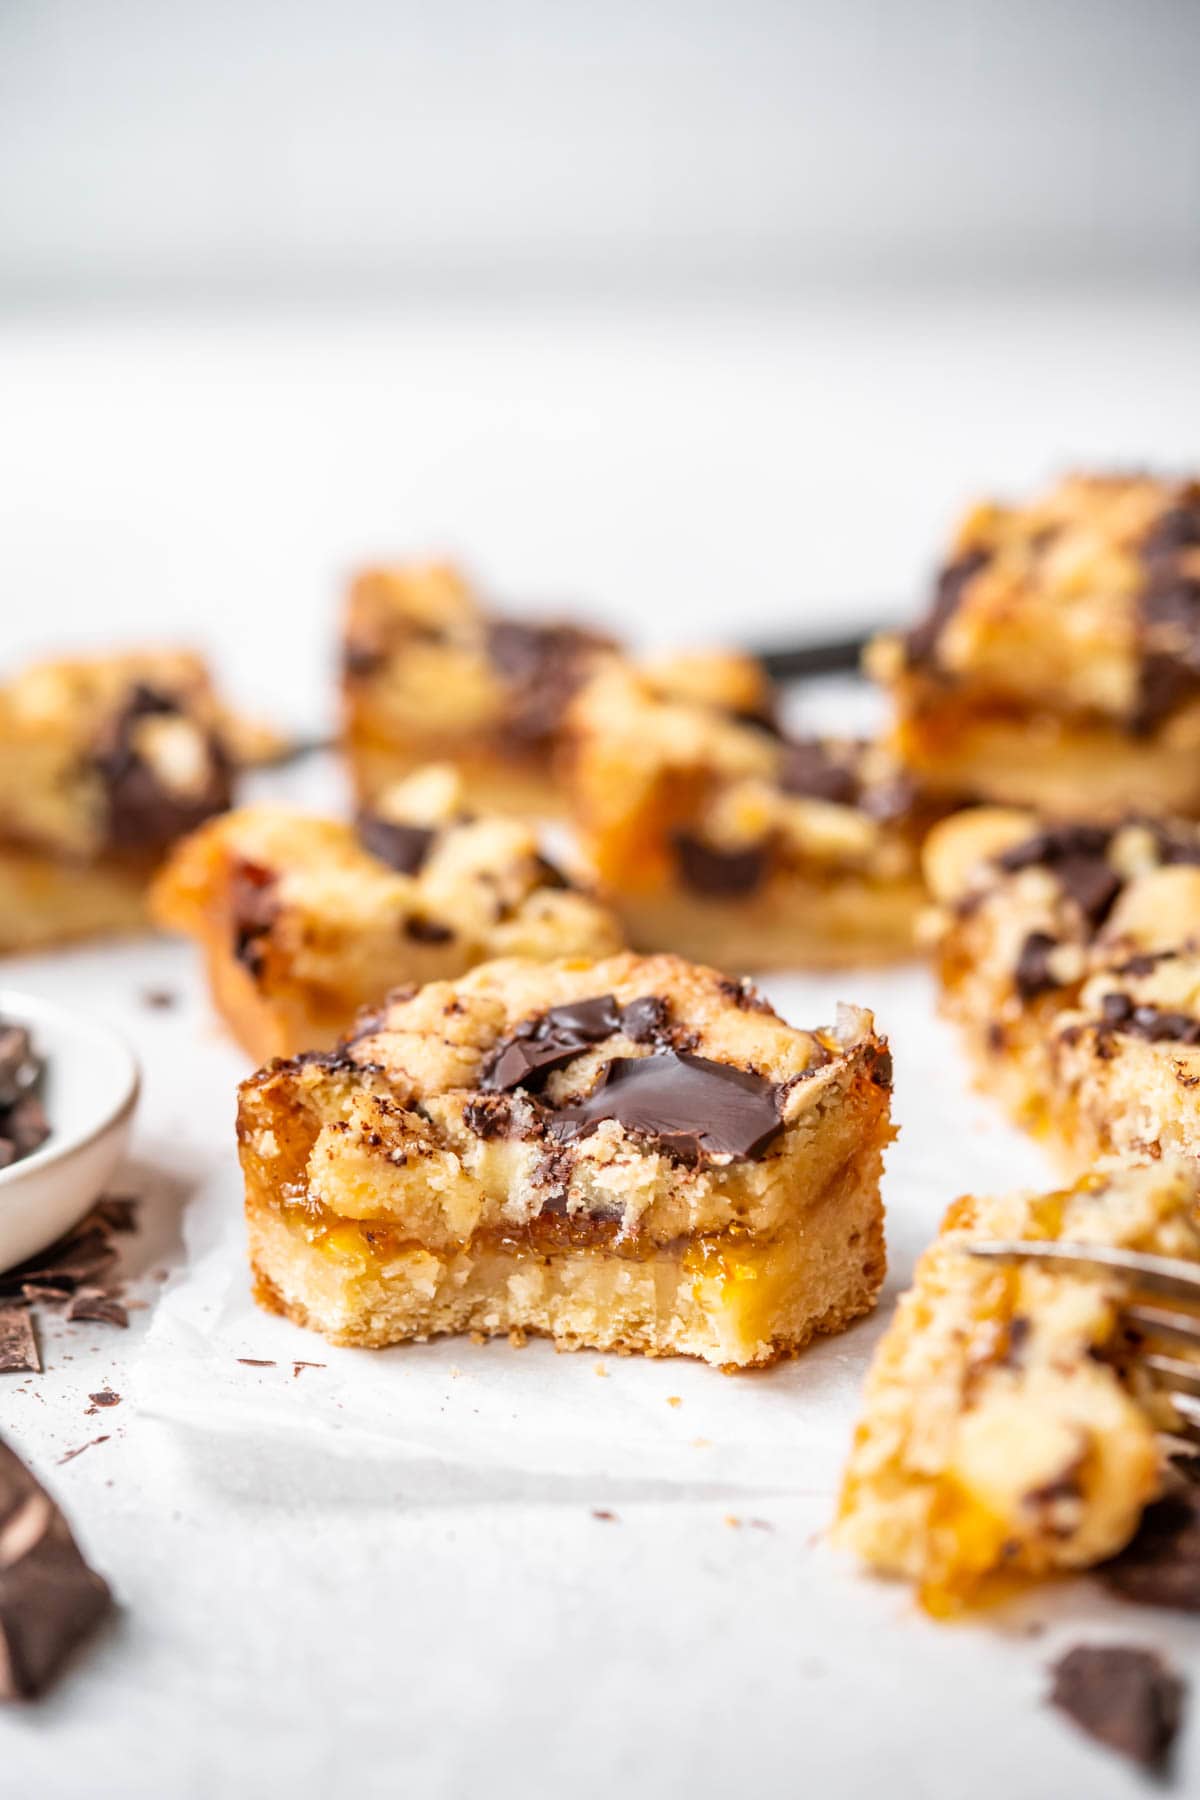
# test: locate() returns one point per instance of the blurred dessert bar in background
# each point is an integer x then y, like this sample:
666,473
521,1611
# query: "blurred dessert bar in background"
1070,956
104,762
1059,664
637,1154
302,921
429,673
715,835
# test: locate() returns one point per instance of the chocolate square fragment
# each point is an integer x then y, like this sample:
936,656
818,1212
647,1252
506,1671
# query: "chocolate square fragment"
50,1600
18,1345
717,873
1124,1697
1032,975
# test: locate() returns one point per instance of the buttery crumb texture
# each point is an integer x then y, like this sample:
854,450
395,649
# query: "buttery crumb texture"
634,1154
1005,1428
1059,663
1069,955
303,921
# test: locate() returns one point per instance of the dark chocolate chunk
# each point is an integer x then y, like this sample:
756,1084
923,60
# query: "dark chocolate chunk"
18,1345
1077,856
427,931
549,875
645,1020
145,813
50,1600
920,644
1160,1566
1176,529
1032,975
1124,1697
105,1397
117,1212
404,848
720,874
810,770
543,665
253,906
546,1043
1169,621
686,1103
360,660
1119,1013
488,1116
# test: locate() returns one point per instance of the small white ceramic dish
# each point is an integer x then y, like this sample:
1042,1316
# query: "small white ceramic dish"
89,1089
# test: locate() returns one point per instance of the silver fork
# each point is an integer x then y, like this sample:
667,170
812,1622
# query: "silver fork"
1167,1276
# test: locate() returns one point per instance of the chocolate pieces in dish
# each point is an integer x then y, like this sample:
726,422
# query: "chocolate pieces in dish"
636,1154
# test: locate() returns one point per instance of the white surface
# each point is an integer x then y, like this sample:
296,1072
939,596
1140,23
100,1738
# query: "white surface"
392,1582
89,1087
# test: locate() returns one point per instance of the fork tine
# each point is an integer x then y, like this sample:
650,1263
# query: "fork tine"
1168,1275
1162,1321
1173,1375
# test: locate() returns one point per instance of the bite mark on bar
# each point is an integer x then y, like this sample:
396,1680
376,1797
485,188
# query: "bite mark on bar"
687,1104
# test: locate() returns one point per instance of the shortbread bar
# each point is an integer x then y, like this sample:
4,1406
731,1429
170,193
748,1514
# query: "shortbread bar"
104,762
1005,1430
1059,665
430,674
303,921
716,836
1070,956
635,1155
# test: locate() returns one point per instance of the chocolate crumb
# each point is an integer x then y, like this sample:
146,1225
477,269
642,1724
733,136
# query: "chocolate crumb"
159,999
1125,1697
297,1366
18,1344
50,1600
105,1397
602,1512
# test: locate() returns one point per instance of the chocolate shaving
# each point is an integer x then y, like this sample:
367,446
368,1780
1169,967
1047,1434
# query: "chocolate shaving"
720,874
1160,1566
94,1303
921,643
18,1345
144,813
50,1600
80,1448
687,1104
809,770
404,848
1126,1698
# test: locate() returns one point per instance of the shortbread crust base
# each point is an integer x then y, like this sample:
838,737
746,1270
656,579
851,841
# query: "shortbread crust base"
47,900
731,1303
